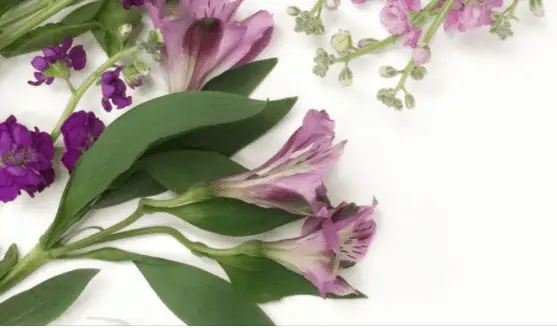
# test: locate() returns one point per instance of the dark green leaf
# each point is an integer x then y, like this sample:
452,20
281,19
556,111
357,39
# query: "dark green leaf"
231,217
45,302
140,184
244,79
110,18
230,138
44,36
9,260
179,170
127,138
83,14
264,280
6,5
201,298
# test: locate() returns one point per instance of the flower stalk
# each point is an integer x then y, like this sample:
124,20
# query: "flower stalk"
23,12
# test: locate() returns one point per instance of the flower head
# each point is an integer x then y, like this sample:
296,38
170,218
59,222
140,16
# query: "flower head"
202,38
80,131
114,90
131,3
25,160
292,179
57,62
421,55
395,16
333,240
466,15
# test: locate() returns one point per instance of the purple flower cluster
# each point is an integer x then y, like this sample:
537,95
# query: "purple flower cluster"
80,131
395,16
114,90
57,61
466,15
132,3
25,160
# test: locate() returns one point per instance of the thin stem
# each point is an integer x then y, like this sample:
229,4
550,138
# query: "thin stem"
317,7
19,13
251,248
193,195
404,77
96,238
439,18
70,86
80,91
432,5
369,49
34,21
510,10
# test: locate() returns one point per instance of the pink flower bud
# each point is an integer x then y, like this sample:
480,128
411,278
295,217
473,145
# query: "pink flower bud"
421,55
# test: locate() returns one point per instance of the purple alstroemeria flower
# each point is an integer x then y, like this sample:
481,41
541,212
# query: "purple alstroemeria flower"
132,3
292,179
25,160
57,62
80,131
202,39
114,90
336,239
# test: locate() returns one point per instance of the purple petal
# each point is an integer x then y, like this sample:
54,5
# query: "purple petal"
78,58
40,63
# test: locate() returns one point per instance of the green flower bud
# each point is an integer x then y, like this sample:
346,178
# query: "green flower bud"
342,41
418,73
366,42
536,7
397,104
388,71
293,11
345,77
409,101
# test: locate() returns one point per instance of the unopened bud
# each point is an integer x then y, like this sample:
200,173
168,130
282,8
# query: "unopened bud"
536,7
124,31
332,4
345,77
342,41
388,71
409,101
366,42
293,11
418,73
421,55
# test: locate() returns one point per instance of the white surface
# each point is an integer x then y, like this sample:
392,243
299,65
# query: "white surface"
466,182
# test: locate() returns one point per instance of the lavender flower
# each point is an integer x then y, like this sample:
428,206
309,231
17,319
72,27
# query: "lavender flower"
395,16
57,62
202,38
333,240
80,131
25,160
466,15
292,179
131,3
114,90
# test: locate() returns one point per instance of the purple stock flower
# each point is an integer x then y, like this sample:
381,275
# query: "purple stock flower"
131,3
114,90
292,179
337,239
202,39
395,17
466,15
25,160
80,131
57,62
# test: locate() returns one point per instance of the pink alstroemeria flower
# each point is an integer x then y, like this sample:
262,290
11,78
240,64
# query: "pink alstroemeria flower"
395,17
202,39
466,15
339,240
292,179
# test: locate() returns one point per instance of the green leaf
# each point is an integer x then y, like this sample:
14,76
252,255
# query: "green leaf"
85,13
179,170
128,137
264,280
231,217
200,298
118,255
44,36
6,5
140,184
45,302
110,17
9,260
244,79
232,137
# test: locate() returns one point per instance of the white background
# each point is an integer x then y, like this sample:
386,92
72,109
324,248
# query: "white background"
466,181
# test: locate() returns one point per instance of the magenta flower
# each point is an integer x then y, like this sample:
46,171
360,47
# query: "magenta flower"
25,160
132,3
395,17
466,15
57,62
339,240
114,90
202,39
292,179
80,131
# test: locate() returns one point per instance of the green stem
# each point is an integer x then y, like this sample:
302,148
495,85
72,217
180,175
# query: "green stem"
317,7
24,267
76,96
432,5
405,74
34,21
439,18
19,13
251,248
510,10
70,86
193,195
98,237
370,48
